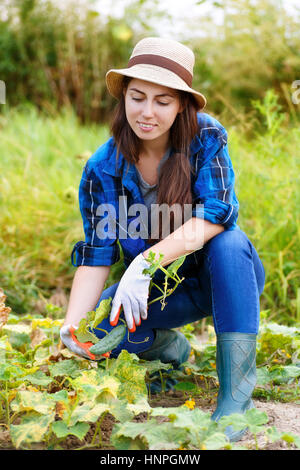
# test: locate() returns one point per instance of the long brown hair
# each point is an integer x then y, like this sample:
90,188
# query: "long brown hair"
174,186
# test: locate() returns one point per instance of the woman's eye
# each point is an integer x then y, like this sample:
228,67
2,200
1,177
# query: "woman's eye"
159,102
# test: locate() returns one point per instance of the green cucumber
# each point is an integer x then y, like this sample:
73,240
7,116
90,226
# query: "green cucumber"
110,341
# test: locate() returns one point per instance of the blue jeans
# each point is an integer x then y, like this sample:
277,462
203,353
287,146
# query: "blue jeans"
224,279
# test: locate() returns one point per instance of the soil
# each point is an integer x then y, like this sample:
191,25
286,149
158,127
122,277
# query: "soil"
283,416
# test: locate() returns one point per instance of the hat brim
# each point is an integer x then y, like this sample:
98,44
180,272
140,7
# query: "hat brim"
152,74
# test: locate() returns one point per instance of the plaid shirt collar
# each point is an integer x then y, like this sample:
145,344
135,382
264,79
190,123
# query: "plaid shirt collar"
126,169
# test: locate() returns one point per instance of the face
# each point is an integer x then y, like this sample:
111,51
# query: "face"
151,110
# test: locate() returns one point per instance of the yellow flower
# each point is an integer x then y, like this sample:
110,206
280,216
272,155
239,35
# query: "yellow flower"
32,389
190,404
45,323
188,371
213,365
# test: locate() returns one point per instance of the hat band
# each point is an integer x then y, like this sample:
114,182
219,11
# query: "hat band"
165,63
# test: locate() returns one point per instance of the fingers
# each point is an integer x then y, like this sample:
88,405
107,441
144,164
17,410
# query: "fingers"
83,347
114,314
134,312
128,313
144,310
65,331
67,335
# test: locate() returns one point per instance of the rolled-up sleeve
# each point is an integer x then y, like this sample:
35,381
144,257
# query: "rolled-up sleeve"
98,249
214,184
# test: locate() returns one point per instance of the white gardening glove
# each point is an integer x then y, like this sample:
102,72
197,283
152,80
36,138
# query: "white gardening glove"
132,294
69,339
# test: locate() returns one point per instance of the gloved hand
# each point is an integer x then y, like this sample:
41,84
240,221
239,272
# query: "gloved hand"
69,339
132,294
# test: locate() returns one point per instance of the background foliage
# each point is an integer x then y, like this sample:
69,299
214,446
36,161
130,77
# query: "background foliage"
54,56
53,60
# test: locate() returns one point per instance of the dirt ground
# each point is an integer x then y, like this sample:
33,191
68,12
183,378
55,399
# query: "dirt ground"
283,416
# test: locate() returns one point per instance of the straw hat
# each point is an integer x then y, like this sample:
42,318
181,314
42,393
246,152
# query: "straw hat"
158,60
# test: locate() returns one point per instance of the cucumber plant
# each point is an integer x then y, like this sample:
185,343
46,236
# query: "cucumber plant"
114,337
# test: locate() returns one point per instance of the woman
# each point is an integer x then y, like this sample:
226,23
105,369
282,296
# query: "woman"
164,151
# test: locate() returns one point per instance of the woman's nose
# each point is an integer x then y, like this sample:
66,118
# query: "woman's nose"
148,109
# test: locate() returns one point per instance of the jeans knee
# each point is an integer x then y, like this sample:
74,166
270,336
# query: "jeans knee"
109,292
228,244
233,248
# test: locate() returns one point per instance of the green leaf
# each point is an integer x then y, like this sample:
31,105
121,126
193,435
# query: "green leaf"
164,436
154,366
288,372
92,386
158,437
33,428
126,443
131,375
68,367
10,372
26,400
102,312
291,439
87,377
140,406
216,441
273,434
263,375
108,389
252,419
277,374
88,412
193,420
154,265
83,333
173,268
38,378
185,386
62,430
60,396
18,340
120,410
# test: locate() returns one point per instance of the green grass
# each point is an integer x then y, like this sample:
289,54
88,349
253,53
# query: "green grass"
41,164
267,174
42,157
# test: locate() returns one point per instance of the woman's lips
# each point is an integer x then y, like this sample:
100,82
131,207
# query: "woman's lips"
146,127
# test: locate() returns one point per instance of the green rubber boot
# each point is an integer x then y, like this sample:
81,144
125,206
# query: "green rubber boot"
169,346
236,369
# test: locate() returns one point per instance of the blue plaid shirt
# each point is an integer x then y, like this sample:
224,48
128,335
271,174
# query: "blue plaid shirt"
105,179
